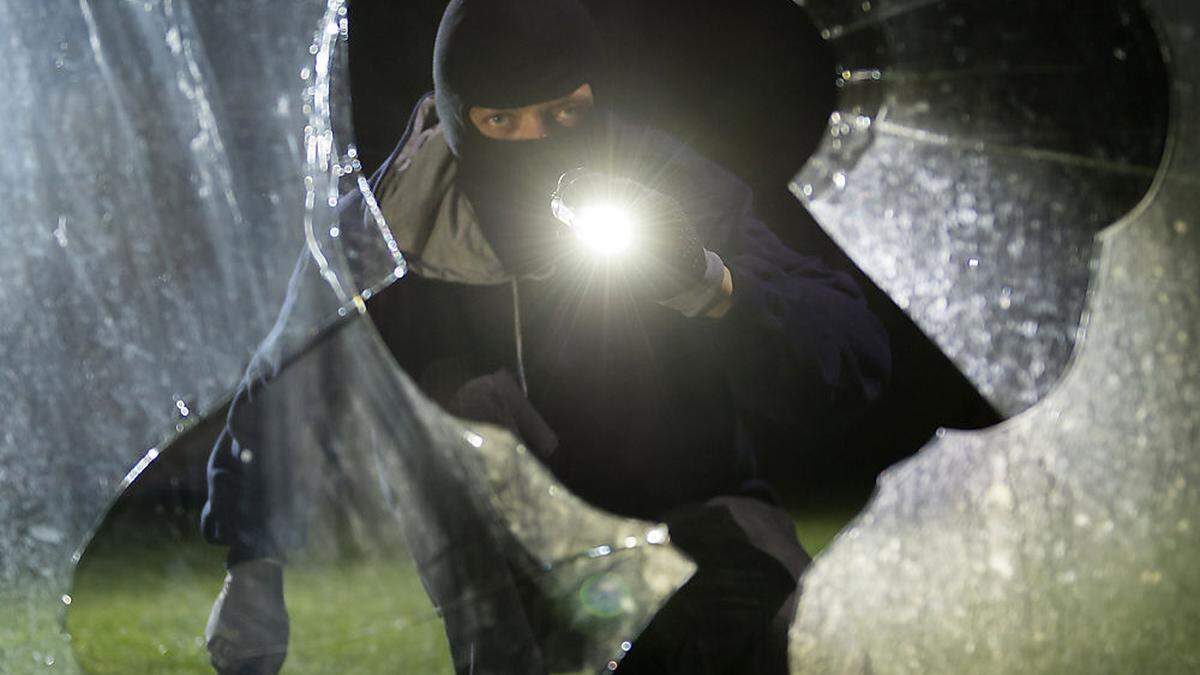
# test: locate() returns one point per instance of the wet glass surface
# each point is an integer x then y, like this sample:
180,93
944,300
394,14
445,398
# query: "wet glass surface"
1064,539
168,163
169,160
977,150
152,185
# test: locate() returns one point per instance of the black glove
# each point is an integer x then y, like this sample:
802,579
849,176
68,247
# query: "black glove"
247,632
665,257
498,399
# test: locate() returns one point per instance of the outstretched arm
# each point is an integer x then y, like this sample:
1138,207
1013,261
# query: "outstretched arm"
797,340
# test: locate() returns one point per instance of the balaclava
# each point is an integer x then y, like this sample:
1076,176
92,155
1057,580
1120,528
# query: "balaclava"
509,54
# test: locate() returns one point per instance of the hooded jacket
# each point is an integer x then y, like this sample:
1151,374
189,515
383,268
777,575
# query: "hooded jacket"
633,405
651,410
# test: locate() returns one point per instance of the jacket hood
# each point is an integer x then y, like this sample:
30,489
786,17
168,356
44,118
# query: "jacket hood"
432,220
507,54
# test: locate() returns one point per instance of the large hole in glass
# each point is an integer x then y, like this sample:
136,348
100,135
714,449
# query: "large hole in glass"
144,586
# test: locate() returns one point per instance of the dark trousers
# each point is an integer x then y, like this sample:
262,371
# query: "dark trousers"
733,615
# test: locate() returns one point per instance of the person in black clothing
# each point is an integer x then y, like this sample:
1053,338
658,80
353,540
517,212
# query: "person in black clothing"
637,378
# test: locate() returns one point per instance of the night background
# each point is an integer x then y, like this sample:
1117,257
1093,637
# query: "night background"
752,89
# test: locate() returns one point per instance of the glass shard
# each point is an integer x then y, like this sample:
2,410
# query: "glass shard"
977,151
1062,540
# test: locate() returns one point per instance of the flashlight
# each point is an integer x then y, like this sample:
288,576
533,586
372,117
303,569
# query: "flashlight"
600,222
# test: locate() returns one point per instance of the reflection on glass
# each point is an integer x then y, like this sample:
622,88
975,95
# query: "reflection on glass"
998,139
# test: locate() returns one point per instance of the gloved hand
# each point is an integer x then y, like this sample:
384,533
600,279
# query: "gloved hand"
247,632
665,258
498,399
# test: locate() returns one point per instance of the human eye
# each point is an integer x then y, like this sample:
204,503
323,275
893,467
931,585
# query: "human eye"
499,119
569,115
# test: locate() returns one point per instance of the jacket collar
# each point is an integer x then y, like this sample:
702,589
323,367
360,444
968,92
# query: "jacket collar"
431,219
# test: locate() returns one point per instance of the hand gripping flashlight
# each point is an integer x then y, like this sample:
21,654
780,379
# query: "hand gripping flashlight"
587,202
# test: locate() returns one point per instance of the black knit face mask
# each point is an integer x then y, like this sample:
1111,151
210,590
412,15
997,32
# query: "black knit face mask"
508,54
510,184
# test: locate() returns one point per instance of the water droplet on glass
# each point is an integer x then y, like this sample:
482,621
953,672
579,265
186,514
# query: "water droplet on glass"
60,232
335,232
600,551
1001,564
66,599
839,179
626,646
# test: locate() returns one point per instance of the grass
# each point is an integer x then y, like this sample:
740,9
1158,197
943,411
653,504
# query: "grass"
143,610
141,600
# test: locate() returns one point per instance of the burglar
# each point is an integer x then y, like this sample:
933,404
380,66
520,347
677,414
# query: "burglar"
609,296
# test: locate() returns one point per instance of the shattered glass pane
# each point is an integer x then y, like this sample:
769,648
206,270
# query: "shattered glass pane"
168,161
1064,540
977,150
152,186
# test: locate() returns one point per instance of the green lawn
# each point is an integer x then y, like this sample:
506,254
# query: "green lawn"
143,611
140,605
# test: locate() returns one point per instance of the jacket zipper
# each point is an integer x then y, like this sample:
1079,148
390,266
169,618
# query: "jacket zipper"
516,298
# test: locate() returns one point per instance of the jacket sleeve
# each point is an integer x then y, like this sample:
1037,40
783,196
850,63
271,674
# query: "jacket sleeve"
243,464
799,344
236,514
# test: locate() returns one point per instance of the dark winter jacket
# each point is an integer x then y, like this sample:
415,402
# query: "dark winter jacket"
646,410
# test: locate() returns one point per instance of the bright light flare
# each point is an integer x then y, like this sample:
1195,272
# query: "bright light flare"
607,230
